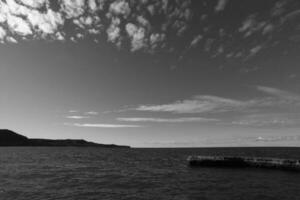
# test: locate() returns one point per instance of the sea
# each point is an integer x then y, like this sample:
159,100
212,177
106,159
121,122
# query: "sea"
91,173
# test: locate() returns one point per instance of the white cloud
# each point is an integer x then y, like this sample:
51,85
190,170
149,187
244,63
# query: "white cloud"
131,29
137,35
195,41
275,100
3,11
92,113
253,51
11,39
113,32
248,23
268,29
77,117
102,125
151,9
130,20
34,3
92,5
59,36
143,21
14,8
157,39
170,120
221,5
72,8
279,93
120,7
290,16
82,22
198,104
73,111
46,23
278,138
18,25
32,20
251,25
2,33
268,120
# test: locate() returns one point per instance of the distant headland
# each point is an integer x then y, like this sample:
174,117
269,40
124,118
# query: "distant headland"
10,138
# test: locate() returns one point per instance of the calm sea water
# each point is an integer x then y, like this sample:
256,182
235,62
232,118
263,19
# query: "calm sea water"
67,173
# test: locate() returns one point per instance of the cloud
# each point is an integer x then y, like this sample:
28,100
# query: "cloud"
24,21
11,39
221,5
278,108
195,41
198,104
292,15
77,117
137,35
279,93
2,33
278,138
46,23
120,7
72,8
148,26
34,3
92,5
268,29
73,111
267,120
251,25
168,120
102,125
113,31
156,40
92,113
253,51
18,25
72,18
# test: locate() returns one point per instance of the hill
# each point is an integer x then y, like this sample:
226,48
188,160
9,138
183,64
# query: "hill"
10,138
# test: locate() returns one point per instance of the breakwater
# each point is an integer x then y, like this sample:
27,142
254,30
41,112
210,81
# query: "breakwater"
258,162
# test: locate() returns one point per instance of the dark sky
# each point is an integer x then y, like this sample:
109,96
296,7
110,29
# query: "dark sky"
152,73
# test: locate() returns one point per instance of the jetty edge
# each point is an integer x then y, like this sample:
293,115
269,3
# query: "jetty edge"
239,162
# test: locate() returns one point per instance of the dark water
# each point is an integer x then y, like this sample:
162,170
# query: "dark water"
42,173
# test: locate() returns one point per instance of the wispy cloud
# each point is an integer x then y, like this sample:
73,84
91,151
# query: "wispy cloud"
197,104
77,117
221,5
168,120
196,40
278,138
92,113
268,120
102,125
73,111
277,108
275,98
279,93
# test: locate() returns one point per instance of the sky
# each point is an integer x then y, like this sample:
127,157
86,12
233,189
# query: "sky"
152,73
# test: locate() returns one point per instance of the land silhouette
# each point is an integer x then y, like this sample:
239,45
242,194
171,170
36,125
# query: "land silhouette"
11,138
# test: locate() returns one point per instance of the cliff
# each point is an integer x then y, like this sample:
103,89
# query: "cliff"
10,138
